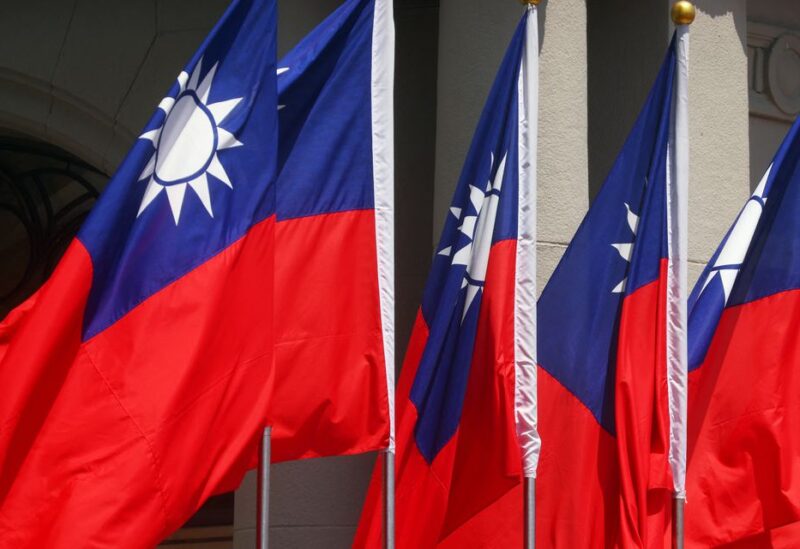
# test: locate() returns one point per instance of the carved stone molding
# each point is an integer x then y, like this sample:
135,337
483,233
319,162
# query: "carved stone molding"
773,61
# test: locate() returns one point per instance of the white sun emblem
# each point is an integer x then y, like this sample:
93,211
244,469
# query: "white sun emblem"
187,143
479,228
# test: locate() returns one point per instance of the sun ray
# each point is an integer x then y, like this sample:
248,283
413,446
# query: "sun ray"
282,70
633,219
462,256
166,104
498,178
456,212
152,135
205,85
192,85
446,251
200,187
625,250
227,140
153,189
468,225
222,109
183,78
472,293
175,194
148,170
476,196
216,169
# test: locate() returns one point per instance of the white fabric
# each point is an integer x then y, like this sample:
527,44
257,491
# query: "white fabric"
677,285
383,174
525,276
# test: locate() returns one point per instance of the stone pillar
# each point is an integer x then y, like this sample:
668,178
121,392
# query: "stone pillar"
718,125
473,36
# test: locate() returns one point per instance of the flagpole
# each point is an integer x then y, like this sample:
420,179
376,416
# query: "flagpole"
530,513
525,276
263,488
683,14
388,499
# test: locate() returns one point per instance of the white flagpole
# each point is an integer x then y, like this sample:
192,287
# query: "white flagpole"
382,97
525,276
263,488
683,14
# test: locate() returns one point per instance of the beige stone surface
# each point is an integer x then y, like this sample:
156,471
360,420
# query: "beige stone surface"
563,121
718,123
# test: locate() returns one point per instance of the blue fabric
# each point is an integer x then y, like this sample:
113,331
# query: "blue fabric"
772,262
327,105
134,257
578,310
440,384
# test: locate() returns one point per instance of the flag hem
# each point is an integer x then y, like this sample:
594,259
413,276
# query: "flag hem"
382,95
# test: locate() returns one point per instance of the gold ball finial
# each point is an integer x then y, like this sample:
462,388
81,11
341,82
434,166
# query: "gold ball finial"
530,2
683,12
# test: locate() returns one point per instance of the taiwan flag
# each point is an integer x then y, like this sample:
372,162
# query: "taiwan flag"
607,344
332,392
743,483
136,382
466,395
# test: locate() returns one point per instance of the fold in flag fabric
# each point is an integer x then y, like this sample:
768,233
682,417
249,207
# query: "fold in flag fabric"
458,450
332,392
605,476
137,380
743,483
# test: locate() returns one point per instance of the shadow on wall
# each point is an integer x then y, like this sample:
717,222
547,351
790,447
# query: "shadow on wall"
619,75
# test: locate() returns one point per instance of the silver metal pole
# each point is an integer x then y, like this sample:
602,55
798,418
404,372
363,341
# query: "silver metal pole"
529,509
263,488
388,500
678,519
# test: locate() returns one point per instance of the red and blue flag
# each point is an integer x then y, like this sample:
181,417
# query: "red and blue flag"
334,257
605,476
744,413
133,381
236,273
458,449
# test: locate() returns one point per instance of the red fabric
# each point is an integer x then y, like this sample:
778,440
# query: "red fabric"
117,441
595,489
642,420
329,389
460,499
743,485
577,486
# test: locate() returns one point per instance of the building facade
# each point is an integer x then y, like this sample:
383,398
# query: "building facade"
78,79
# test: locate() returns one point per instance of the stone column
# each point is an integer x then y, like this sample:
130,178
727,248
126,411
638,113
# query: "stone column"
718,124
